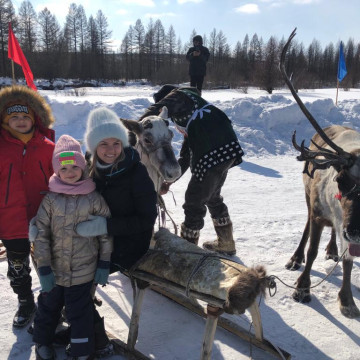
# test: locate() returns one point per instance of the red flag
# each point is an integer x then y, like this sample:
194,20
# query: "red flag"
15,53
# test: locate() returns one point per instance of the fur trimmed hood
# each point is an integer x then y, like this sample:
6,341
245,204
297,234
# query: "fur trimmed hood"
44,118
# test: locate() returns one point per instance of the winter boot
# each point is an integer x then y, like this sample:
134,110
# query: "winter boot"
103,345
62,337
24,313
225,242
190,235
44,352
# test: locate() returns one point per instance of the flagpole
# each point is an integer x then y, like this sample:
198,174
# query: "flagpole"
13,72
337,90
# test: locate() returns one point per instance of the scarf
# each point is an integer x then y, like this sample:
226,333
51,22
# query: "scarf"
25,138
81,187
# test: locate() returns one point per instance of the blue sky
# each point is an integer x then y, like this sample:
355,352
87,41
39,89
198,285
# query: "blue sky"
325,20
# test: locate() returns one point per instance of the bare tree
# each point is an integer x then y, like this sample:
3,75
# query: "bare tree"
82,27
49,31
27,27
7,14
92,36
72,29
270,74
159,43
170,45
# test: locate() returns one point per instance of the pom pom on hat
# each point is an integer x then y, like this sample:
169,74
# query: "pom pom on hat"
103,123
67,151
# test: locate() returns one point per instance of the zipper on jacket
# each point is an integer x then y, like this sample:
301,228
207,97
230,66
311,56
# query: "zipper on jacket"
8,185
42,170
24,151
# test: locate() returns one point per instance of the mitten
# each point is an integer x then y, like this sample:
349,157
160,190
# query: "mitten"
102,272
33,230
95,226
47,278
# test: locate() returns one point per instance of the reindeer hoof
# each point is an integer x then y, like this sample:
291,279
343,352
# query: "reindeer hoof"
332,257
302,296
293,265
350,311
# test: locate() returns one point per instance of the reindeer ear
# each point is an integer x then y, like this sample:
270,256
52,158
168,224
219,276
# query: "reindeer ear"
132,125
164,112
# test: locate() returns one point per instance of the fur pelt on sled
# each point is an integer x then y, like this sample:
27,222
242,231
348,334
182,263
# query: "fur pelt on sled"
185,264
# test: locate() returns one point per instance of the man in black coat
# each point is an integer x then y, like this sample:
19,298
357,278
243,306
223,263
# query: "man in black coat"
197,55
210,149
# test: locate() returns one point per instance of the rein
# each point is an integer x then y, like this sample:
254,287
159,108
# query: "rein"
162,210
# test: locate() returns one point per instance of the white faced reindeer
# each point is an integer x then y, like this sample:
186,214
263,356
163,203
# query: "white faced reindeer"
153,142
332,190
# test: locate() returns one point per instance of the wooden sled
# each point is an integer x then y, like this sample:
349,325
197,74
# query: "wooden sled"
2,251
204,276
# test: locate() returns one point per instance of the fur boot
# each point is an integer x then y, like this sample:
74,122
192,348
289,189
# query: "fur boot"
190,235
225,242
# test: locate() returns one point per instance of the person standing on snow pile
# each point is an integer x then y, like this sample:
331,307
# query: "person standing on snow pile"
210,148
198,55
68,264
26,147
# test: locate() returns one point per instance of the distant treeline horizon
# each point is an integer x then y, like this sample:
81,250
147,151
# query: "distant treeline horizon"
81,49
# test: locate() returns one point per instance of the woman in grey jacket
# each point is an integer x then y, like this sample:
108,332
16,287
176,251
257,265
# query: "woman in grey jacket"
68,264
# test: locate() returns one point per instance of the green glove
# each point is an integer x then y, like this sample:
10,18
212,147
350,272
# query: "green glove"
102,272
96,225
47,279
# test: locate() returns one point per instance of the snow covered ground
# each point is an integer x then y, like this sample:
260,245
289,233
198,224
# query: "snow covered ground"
266,201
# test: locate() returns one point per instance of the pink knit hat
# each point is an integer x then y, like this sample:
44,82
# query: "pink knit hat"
67,151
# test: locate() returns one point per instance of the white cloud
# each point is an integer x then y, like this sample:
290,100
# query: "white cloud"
188,1
122,12
147,3
248,9
305,2
161,15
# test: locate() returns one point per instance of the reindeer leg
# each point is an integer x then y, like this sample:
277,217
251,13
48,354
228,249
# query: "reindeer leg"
302,292
331,248
345,297
299,255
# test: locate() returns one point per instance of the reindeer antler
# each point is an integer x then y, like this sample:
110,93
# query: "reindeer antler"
309,156
337,158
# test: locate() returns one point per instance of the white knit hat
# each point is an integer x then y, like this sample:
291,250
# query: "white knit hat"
103,123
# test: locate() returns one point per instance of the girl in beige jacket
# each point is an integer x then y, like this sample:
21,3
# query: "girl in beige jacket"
68,264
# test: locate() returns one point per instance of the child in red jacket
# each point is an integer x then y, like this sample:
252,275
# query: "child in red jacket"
26,147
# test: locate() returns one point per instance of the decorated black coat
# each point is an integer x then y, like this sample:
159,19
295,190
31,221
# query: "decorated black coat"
210,139
131,197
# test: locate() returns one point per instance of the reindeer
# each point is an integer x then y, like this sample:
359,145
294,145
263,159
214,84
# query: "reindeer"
153,142
331,178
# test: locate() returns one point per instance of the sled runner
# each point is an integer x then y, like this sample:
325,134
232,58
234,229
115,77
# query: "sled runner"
224,285
2,251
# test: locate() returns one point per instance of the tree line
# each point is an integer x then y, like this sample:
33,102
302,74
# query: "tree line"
82,49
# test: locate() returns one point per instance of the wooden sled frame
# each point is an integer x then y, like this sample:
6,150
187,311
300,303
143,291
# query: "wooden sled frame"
212,314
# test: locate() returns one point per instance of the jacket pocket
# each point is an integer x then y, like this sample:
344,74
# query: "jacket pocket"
43,172
8,185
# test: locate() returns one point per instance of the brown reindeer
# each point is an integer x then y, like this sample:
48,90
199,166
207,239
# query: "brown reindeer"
332,189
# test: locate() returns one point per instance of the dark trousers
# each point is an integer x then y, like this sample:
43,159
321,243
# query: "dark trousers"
206,194
197,81
18,251
79,308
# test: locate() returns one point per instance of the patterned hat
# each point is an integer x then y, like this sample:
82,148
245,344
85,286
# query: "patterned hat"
194,102
67,152
17,107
